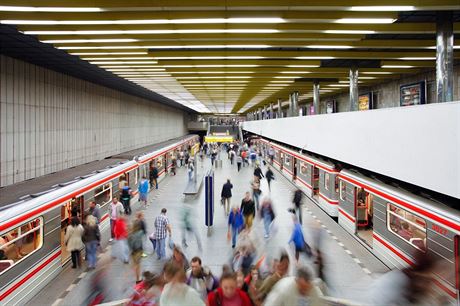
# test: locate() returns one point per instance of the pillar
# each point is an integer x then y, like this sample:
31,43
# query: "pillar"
295,104
444,57
280,111
353,89
316,97
272,115
260,112
266,112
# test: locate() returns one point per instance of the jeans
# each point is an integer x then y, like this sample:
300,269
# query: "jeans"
255,197
239,166
91,248
161,248
234,236
192,231
190,176
267,222
112,224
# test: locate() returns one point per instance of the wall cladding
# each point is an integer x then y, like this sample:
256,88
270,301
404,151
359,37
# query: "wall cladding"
50,121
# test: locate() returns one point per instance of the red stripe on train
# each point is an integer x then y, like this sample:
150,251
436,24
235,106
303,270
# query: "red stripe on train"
332,202
347,215
28,276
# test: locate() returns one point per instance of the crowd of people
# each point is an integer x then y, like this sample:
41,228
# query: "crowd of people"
252,276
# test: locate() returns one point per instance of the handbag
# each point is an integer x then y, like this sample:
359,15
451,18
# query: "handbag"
170,243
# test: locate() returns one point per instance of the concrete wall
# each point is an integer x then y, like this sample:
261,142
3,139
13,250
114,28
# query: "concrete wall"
416,144
387,94
50,121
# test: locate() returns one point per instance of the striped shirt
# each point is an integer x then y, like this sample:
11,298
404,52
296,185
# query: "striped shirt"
161,223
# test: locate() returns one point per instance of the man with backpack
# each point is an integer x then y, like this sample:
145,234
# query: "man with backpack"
200,278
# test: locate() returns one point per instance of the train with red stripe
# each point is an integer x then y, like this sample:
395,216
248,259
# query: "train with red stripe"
392,222
35,213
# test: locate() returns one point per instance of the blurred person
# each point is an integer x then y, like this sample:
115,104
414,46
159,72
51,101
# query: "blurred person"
135,242
298,239
200,278
126,194
146,292
154,176
270,177
281,270
190,170
162,226
235,224
267,214
95,211
176,292
244,156
253,157
91,237
256,192
188,226
243,259
258,175
226,195
294,290
251,286
213,156
232,155
181,157
173,165
248,210
179,259
115,212
297,200
120,248
98,287
73,240
408,286
228,293
239,162
143,189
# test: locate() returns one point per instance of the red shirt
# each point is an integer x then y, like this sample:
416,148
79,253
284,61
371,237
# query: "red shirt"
120,230
240,298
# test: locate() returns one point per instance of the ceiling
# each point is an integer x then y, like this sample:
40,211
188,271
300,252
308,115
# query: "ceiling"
239,55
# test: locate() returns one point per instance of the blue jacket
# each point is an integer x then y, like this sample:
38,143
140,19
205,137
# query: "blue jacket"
235,220
144,186
297,236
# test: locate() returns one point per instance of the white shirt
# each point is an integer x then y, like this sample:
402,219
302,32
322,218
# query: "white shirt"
179,294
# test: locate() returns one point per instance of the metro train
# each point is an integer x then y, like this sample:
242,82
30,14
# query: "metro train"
35,213
391,222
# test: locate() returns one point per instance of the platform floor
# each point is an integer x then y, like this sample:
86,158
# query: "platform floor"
349,266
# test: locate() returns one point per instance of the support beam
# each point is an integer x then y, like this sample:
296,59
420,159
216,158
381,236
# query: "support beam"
316,97
353,89
293,104
280,111
444,57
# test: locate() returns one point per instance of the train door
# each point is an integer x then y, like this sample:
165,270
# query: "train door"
315,181
166,162
364,214
281,160
457,266
294,168
73,206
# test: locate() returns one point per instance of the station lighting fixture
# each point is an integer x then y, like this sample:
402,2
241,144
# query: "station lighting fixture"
295,72
211,47
108,53
376,72
116,58
417,58
257,20
177,31
131,66
314,57
338,85
288,77
136,70
208,57
5,8
382,8
365,20
328,47
214,77
303,66
65,41
364,32
397,66
210,66
122,62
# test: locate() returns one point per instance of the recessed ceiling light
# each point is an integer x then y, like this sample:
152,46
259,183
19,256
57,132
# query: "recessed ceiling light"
398,66
314,57
63,41
349,32
122,62
115,58
207,57
288,77
365,20
295,72
376,72
303,66
49,9
328,47
210,47
417,58
108,53
382,8
182,31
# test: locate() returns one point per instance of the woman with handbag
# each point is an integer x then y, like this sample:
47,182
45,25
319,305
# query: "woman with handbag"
73,240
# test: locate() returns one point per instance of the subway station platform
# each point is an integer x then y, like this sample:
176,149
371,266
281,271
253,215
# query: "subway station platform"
349,267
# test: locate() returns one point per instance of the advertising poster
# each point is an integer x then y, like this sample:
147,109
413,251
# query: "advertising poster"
330,107
412,94
364,102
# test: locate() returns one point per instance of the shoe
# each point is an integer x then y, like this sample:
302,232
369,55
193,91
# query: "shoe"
158,258
111,239
144,255
266,236
74,267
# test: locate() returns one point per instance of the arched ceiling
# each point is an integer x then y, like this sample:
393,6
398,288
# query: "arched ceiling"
235,56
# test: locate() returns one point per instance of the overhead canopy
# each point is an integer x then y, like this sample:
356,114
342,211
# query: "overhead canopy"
239,55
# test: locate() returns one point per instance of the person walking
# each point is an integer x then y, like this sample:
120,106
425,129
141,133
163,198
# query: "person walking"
294,290
269,176
94,210
213,156
248,210
232,156
92,238
239,161
135,242
173,165
201,278
226,196
73,240
177,293
258,175
126,194
115,211
256,192
154,177
267,214
181,157
144,191
228,294
298,239
297,200
190,170
188,226
162,226
120,249
235,224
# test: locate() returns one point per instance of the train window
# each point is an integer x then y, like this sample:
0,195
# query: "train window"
123,181
343,190
159,162
336,184
103,194
287,160
326,180
407,226
20,243
303,168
